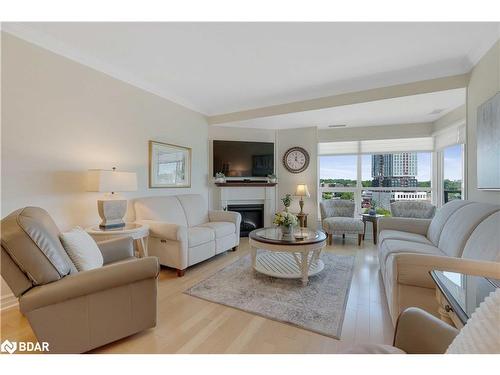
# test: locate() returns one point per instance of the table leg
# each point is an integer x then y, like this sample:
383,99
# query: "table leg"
253,252
375,232
364,229
304,268
142,247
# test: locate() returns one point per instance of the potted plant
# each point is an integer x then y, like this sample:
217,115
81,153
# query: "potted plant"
271,178
287,201
373,208
220,178
286,221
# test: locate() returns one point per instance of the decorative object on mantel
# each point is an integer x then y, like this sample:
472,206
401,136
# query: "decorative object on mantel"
169,165
488,139
287,201
112,209
286,221
318,307
296,159
271,178
302,191
220,178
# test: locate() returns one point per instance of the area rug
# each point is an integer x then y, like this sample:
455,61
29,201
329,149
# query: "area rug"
318,307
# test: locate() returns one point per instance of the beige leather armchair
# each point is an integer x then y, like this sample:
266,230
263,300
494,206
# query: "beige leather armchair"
417,332
75,311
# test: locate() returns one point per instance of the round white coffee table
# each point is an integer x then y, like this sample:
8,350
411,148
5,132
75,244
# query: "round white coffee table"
138,232
287,256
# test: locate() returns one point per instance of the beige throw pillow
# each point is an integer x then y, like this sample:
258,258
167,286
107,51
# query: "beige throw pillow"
82,249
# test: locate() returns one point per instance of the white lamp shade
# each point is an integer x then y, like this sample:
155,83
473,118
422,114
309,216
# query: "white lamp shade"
111,181
302,191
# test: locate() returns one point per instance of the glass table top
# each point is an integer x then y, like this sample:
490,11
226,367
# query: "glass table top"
298,236
128,226
466,292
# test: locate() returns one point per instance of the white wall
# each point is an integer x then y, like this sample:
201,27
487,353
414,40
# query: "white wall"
306,138
60,118
484,83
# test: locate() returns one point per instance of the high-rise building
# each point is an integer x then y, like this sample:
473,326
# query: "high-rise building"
394,170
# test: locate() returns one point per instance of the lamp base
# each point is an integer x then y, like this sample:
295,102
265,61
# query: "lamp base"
301,204
112,212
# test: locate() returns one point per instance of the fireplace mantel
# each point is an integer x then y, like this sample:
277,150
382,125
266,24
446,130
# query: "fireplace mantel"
246,184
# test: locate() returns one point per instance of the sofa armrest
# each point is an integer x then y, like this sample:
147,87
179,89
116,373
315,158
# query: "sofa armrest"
89,282
405,224
116,249
412,267
164,230
228,216
418,332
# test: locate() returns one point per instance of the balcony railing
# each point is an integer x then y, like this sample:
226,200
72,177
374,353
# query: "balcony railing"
450,195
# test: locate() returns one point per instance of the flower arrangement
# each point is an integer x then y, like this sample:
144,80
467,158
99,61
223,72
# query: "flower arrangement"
285,219
271,178
287,201
220,177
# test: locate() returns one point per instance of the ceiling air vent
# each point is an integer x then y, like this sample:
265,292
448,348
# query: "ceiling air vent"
337,126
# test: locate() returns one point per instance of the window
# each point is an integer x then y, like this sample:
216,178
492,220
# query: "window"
378,173
452,173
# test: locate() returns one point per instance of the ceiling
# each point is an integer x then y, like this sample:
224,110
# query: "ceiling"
217,68
423,108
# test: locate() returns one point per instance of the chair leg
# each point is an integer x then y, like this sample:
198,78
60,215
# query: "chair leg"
330,239
180,273
360,236
343,236
234,248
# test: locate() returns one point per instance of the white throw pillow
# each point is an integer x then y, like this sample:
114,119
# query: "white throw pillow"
82,249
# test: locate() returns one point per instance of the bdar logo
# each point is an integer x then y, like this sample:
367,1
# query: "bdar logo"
8,346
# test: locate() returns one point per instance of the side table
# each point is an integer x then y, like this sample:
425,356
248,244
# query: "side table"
374,220
138,232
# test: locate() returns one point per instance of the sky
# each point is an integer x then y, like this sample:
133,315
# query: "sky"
344,166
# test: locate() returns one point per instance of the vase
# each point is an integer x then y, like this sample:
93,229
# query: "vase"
372,212
286,230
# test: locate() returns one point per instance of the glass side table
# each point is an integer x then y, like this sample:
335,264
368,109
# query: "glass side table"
460,294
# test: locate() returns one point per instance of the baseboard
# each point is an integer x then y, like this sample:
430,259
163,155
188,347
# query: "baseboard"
7,302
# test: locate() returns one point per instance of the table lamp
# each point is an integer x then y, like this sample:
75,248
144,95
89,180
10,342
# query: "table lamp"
112,209
302,192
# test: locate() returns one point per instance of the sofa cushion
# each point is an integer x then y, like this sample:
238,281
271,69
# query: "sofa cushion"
340,225
400,235
483,243
441,217
31,238
221,228
200,235
195,207
82,249
460,226
389,247
413,209
167,209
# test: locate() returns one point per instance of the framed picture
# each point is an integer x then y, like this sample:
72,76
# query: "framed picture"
488,140
169,165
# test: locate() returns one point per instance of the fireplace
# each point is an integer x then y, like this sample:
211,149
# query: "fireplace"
252,217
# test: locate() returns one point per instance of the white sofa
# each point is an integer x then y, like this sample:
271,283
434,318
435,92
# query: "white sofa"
463,237
183,232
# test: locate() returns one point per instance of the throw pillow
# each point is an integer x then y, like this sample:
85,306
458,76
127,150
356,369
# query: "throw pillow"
82,249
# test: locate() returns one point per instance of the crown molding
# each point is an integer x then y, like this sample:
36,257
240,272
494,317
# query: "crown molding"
53,45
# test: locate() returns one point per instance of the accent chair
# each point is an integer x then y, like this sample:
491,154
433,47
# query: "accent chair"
337,218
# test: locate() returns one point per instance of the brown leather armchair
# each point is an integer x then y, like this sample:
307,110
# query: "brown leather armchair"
75,311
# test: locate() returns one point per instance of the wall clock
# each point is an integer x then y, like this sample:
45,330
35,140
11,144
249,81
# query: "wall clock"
296,160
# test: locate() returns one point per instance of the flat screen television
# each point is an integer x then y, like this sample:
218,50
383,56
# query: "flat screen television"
243,159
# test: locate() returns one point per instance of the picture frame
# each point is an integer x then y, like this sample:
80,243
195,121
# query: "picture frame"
169,165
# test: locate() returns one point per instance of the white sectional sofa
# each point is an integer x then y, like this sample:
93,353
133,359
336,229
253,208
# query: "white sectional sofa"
183,232
463,236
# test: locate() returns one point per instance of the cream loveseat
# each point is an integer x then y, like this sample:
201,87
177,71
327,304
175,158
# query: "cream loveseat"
183,232
463,236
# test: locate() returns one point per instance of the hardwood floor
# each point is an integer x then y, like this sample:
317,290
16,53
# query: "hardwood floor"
190,325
